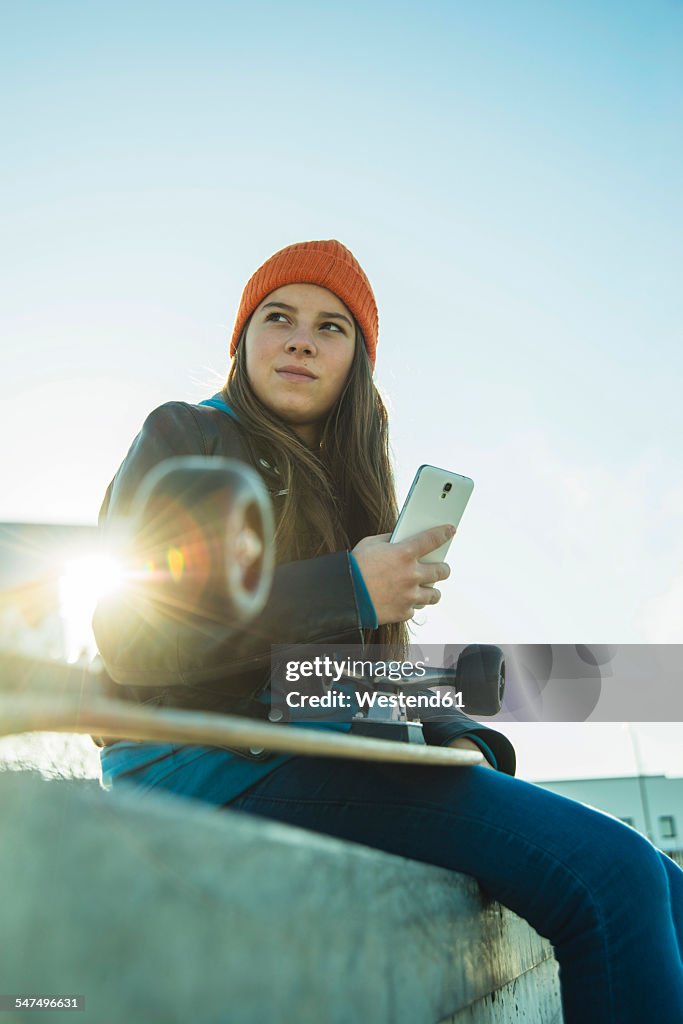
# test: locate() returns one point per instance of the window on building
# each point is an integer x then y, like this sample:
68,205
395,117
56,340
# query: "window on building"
667,826
627,821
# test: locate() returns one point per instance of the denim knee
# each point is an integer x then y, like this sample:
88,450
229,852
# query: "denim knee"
618,866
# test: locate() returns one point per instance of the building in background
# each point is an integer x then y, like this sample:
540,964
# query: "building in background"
652,804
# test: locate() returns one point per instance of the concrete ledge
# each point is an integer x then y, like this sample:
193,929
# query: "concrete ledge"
157,908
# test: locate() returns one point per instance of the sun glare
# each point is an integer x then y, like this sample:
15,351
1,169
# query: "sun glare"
81,585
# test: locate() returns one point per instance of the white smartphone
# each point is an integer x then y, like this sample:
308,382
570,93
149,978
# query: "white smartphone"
435,497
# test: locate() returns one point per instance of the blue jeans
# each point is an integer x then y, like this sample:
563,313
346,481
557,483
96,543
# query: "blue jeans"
610,903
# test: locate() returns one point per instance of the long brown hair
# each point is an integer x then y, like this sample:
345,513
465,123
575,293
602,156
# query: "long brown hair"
329,499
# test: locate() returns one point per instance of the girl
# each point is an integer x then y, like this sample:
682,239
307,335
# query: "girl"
300,406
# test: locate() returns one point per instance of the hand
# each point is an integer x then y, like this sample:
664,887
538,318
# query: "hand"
465,744
397,581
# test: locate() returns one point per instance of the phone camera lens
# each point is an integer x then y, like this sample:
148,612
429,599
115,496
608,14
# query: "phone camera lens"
447,487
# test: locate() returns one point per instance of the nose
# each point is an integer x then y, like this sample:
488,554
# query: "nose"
301,342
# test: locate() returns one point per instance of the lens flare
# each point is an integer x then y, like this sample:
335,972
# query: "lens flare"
84,581
176,563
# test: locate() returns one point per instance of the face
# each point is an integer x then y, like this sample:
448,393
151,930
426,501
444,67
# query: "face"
299,349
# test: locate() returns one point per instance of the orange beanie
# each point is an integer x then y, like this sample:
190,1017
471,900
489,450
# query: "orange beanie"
328,264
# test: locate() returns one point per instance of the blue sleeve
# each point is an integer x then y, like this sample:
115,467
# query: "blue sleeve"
366,610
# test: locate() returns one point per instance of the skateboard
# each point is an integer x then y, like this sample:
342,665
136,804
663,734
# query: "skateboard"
61,701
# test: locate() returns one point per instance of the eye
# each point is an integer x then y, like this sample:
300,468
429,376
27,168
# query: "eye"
271,315
331,323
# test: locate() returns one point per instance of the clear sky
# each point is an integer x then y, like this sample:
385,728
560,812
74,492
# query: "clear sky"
508,175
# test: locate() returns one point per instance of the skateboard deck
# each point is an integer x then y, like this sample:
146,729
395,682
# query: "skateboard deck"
44,696
20,714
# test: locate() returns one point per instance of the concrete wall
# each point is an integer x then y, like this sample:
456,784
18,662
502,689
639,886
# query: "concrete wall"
162,909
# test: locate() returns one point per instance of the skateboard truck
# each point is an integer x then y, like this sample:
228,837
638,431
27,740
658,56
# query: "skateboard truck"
479,676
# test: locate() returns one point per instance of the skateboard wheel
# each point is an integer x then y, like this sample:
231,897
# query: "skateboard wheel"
203,533
480,676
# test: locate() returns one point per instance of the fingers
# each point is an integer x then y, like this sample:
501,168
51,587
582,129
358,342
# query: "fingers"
429,540
432,572
397,581
428,595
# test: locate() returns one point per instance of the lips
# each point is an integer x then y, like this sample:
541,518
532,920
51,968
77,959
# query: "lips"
295,373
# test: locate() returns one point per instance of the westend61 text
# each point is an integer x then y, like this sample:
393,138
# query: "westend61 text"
366,699
330,668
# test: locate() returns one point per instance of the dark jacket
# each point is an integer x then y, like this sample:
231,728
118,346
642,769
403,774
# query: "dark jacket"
191,661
